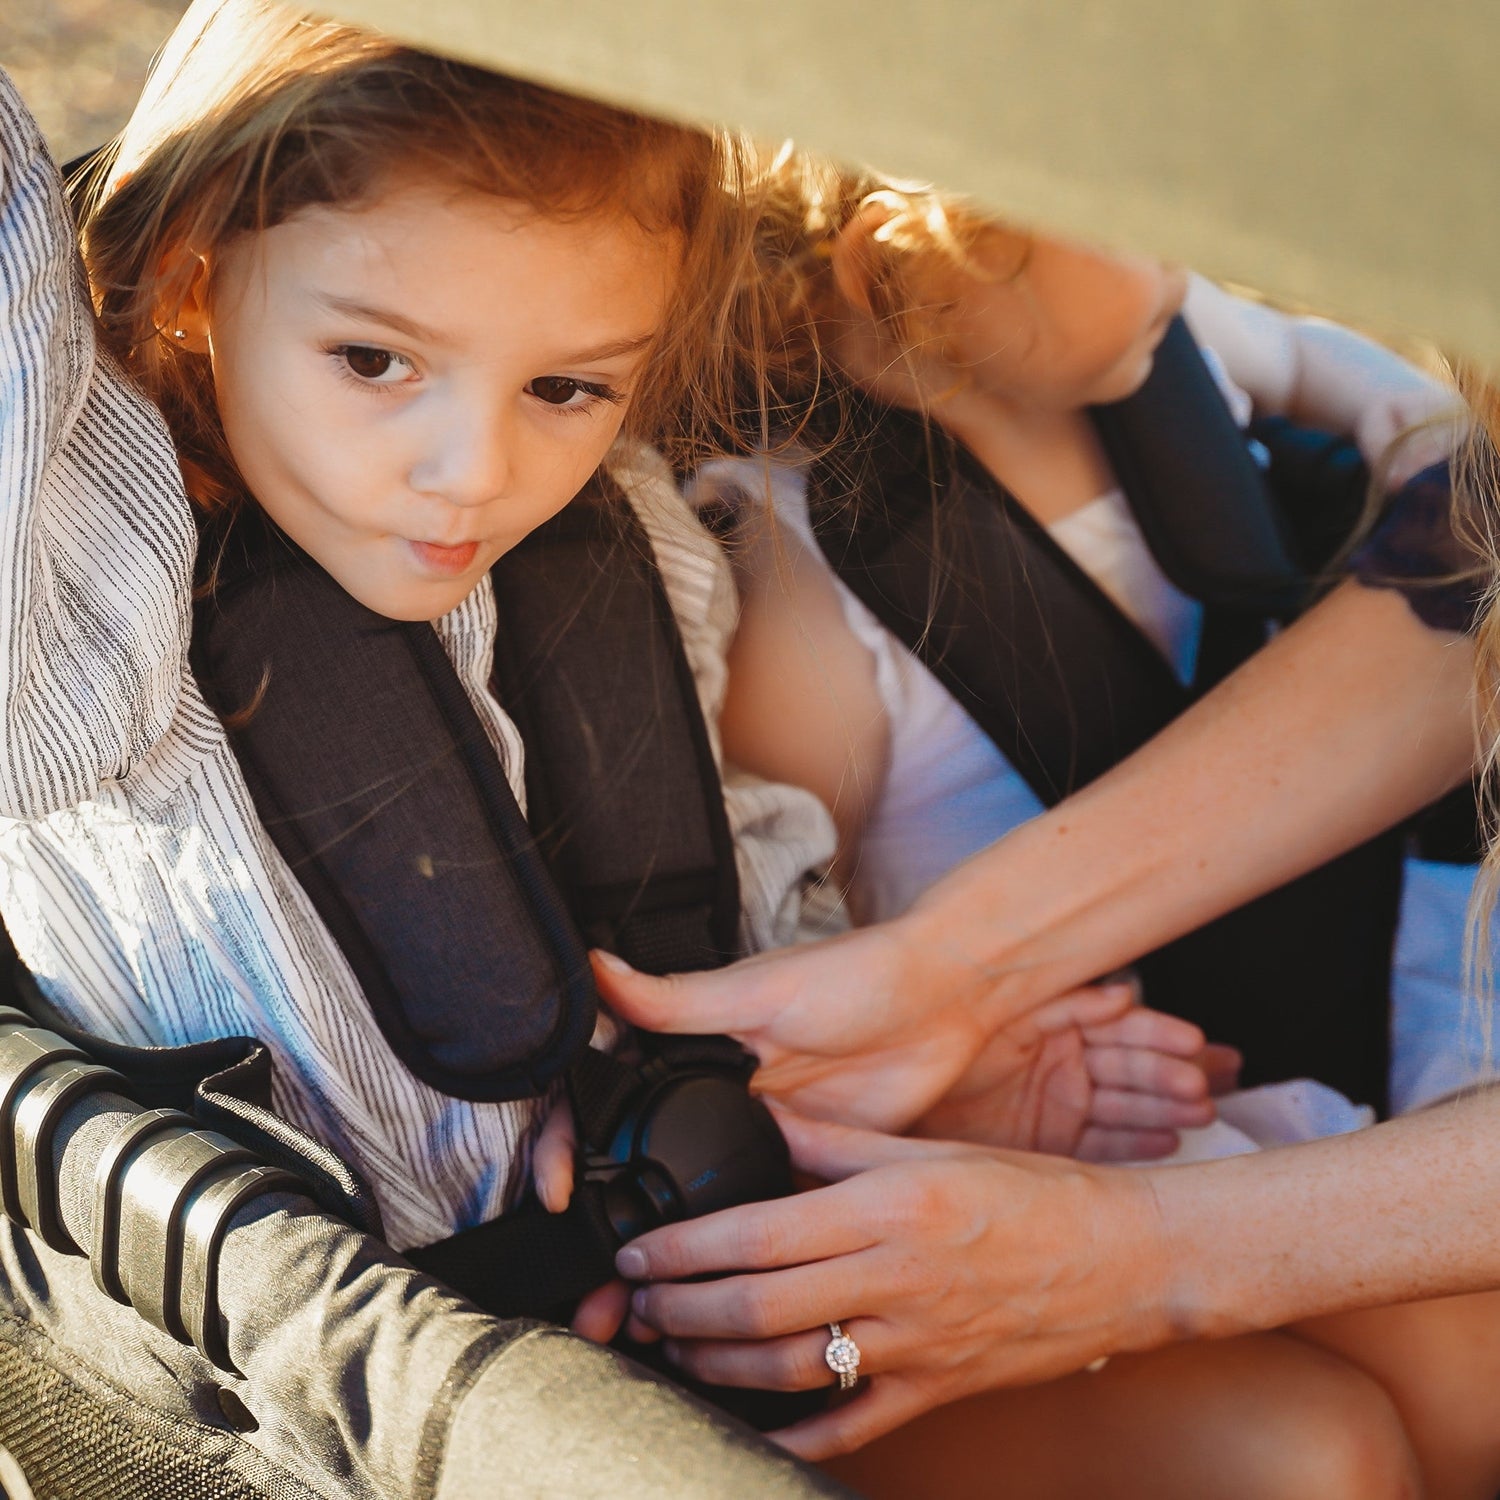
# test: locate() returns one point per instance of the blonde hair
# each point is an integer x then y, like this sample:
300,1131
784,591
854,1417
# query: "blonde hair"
1477,517
804,202
257,110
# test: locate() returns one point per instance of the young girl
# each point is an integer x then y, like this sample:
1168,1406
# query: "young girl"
406,308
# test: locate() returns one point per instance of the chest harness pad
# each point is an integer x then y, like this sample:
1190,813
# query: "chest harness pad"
1066,685
467,928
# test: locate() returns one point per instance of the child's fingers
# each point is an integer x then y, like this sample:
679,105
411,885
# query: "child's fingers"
1141,1027
1122,1109
601,1313
1144,1072
1221,1067
552,1160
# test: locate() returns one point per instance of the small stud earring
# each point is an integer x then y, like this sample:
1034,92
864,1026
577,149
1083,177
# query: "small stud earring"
179,333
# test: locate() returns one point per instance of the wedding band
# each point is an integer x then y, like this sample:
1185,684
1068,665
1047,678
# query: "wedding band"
842,1357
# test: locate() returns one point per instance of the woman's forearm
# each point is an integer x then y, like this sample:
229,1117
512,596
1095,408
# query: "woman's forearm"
1410,1209
1352,719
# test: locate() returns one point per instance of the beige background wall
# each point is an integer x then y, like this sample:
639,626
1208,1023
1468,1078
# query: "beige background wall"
1336,154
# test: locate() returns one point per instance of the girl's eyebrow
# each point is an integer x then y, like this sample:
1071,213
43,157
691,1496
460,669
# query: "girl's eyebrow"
395,321
611,350
408,328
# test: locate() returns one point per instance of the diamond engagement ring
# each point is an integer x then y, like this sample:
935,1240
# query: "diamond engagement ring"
842,1357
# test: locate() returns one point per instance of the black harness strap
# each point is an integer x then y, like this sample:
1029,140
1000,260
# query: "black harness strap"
1202,504
624,798
623,793
374,777
1020,635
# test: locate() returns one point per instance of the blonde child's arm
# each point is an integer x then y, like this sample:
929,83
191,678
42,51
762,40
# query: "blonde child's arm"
1324,376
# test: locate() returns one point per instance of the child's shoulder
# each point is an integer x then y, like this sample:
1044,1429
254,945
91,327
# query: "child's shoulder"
46,320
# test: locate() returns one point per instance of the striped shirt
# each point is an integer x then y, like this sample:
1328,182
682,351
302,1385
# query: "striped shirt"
135,877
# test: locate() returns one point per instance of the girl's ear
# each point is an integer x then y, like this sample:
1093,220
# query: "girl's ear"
855,255
184,313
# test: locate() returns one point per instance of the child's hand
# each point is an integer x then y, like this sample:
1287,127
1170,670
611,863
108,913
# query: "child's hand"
553,1156
603,1312
1092,1075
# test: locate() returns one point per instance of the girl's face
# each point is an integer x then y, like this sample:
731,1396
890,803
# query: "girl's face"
411,385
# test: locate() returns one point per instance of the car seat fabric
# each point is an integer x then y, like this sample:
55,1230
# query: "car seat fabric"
362,1380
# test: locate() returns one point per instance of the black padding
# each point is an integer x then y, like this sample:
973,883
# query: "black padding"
1019,634
375,778
1202,504
530,1262
623,793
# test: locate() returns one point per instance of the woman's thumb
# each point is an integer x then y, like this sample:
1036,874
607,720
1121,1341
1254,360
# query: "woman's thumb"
641,999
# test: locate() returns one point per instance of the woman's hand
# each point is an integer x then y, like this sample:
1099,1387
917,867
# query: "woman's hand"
954,1268
872,1027
838,1038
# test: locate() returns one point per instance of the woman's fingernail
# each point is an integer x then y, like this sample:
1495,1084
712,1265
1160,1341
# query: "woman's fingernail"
631,1263
612,961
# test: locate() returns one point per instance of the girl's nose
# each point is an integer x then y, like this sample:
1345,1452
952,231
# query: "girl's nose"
467,460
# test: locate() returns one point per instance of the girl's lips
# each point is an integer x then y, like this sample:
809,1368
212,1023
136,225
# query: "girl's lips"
447,561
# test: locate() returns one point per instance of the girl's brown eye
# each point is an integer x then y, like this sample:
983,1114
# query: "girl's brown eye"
368,364
555,390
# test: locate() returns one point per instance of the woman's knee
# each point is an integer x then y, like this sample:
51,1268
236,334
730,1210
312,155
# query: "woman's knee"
1340,1437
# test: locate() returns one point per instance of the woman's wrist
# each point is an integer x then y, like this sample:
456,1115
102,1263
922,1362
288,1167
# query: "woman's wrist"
1402,1211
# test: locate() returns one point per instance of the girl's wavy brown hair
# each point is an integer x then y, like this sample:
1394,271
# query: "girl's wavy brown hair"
257,110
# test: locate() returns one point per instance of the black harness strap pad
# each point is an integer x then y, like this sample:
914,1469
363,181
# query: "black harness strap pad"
623,793
1021,636
375,778
1203,506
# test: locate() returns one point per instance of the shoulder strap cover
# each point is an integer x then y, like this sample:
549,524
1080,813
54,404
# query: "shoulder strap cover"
1204,507
375,778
